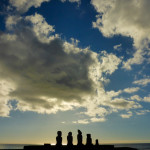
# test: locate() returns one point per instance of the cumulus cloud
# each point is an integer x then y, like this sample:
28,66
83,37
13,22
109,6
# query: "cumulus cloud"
48,74
41,28
143,82
109,62
114,19
44,72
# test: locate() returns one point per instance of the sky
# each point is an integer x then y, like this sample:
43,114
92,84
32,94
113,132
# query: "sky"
74,64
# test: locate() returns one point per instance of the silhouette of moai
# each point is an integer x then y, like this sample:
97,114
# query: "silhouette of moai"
79,138
70,139
59,138
89,140
96,143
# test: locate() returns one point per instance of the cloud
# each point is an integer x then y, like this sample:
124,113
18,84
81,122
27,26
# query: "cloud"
136,97
41,28
136,59
109,62
143,82
118,47
49,74
114,19
128,115
72,1
113,93
120,103
131,90
44,70
6,87
84,121
146,99
142,112
98,119
12,20
23,6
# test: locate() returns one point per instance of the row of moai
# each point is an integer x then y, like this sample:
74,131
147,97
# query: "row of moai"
79,139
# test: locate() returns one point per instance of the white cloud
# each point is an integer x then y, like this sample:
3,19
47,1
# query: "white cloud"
113,93
136,59
120,103
143,82
118,47
142,112
98,119
72,1
131,90
114,19
128,115
146,99
23,5
52,75
84,121
136,97
109,62
41,28
6,87
11,21
56,75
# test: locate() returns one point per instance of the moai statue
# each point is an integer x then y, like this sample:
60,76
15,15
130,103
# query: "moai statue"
70,139
59,138
89,140
79,138
96,143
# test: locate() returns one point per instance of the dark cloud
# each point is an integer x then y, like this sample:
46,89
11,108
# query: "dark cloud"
44,69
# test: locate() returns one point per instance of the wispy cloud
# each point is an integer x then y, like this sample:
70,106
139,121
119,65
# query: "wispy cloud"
118,47
142,112
143,82
84,121
128,115
131,90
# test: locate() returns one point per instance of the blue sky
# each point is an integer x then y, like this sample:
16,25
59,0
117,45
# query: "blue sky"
74,64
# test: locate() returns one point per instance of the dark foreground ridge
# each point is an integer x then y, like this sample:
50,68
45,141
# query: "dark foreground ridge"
80,146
